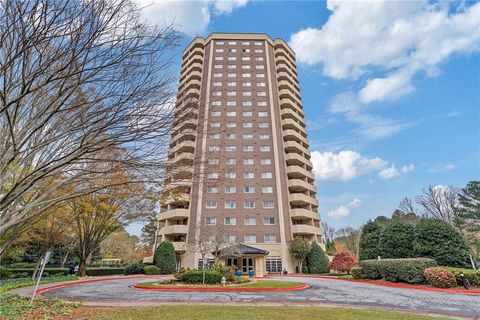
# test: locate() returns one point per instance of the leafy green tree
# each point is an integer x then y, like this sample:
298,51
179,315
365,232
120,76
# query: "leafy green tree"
369,247
396,240
299,249
164,257
317,260
441,241
330,247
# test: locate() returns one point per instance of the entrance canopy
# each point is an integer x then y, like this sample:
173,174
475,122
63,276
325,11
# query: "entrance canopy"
239,250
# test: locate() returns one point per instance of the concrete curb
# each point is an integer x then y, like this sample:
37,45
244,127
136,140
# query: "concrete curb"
220,289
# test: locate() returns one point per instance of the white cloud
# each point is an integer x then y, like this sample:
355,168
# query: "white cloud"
407,168
442,168
397,39
190,17
389,173
343,166
344,210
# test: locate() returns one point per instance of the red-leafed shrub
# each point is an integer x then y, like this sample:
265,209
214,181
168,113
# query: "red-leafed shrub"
440,277
343,262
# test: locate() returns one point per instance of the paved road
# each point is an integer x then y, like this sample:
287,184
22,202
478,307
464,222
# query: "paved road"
322,291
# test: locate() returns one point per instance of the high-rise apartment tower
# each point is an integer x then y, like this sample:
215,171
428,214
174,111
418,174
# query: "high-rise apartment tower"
238,155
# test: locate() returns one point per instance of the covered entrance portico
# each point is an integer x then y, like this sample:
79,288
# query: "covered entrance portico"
244,258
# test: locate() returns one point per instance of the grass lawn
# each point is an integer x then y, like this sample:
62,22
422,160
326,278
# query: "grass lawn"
221,312
254,284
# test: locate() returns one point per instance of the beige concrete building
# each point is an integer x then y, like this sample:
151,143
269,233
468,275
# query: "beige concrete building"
239,155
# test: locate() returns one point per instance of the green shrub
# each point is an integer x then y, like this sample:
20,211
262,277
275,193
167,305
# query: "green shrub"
227,272
369,246
356,272
440,277
134,268
441,241
5,273
165,258
196,276
104,271
151,269
397,270
23,265
317,260
396,240
46,272
305,269
472,276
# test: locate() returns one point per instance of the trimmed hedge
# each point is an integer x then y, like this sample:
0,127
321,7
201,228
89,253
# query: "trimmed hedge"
134,268
196,276
104,271
396,240
397,270
151,269
64,271
440,277
472,276
46,271
356,272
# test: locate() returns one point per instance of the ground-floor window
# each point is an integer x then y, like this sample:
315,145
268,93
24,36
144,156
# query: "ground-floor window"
273,264
210,263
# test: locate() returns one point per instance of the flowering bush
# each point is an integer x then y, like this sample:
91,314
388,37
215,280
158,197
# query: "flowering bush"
343,262
440,277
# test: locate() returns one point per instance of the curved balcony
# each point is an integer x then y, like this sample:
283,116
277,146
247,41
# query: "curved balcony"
179,246
279,43
284,67
292,135
189,93
193,83
304,214
184,146
290,124
288,86
287,102
194,72
285,93
187,135
186,65
292,146
173,184
291,114
196,43
302,199
176,198
283,60
196,51
305,229
174,229
174,213
300,185
187,124
294,159
296,172
182,157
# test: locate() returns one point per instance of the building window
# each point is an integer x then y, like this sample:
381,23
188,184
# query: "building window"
232,136
258,58
269,221
260,75
230,175
231,125
261,94
212,175
266,161
218,50
232,50
264,148
263,125
232,43
267,189
213,148
217,84
210,221
248,161
250,221
264,136
245,43
246,93
266,175
231,93
247,204
247,84
211,205
217,93
216,103
273,265
249,189
212,190
250,238
210,263
231,84
218,66
215,124
259,67
232,75
268,204
213,161
245,58
248,175
246,66
246,75
231,103
231,148
247,103
231,114
230,189
261,84
219,43
218,58
270,238
258,50
247,113
215,136
216,113
230,238
232,66
248,136
230,221
232,58
247,125
217,75
230,204
247,148
246,50
231,161
262,103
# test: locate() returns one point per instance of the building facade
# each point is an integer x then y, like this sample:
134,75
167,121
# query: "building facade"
238,156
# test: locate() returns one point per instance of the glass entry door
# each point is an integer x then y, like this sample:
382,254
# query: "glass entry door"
247,264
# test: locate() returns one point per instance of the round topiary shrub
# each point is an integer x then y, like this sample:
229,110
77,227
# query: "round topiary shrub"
134,268
317,260
151,269
356,272
440,277
165,258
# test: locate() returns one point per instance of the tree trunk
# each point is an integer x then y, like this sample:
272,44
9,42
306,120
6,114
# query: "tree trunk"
63,260
82,267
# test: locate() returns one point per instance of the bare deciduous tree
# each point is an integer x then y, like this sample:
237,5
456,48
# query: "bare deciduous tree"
77,77
439,202
407,206
350,238
328,231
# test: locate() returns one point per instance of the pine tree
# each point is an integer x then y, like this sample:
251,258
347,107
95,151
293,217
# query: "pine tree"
317,260
164,257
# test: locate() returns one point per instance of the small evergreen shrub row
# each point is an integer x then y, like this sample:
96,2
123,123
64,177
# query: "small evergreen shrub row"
397,270
195,276
151,270
46,272
440,277
356,272
472,276
134,268
104,271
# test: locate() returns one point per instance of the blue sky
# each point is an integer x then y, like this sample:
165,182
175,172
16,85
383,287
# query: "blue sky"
391,91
